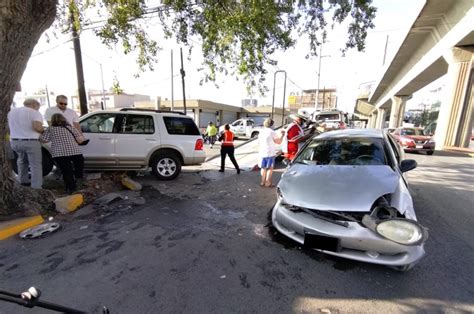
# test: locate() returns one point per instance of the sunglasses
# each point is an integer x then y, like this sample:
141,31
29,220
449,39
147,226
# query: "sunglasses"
62,103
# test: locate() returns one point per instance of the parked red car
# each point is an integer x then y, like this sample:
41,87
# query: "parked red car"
414,140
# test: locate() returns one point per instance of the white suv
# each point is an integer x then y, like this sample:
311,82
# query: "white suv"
139,139
332,119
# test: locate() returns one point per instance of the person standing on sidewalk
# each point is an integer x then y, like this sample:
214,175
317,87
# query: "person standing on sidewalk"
26,125
267,139
65,150
211,133
227,148
61,107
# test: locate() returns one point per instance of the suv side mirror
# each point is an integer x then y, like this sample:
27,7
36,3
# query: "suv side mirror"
408,164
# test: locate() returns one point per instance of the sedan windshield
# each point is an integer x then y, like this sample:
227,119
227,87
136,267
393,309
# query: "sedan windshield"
343,151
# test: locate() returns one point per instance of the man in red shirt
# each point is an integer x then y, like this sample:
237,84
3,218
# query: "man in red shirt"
295,136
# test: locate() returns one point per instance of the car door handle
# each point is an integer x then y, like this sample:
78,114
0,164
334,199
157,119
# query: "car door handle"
151,139
105,138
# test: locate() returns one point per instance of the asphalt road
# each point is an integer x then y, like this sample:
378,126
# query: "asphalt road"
203,244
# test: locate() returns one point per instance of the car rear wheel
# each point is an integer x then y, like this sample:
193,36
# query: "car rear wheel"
254,135
46,159
429,152
165,166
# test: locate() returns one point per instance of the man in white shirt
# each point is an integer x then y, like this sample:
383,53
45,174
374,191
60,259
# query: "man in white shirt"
26,125
61,107
268,139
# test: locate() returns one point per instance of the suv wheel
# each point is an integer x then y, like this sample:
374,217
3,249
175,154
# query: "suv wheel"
165,166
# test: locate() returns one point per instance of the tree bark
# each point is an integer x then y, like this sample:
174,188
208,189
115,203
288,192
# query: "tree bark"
21,25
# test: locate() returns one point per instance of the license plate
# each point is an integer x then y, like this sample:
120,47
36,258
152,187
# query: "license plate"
320,242
419,146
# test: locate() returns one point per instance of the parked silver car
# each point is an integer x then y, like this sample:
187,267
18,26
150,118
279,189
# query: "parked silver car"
345,194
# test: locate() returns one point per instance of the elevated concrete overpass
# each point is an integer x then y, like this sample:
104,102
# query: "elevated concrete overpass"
440,41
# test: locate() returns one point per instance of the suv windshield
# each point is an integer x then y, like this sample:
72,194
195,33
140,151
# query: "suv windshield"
343,151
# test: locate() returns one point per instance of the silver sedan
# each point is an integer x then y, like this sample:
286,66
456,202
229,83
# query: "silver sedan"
345,194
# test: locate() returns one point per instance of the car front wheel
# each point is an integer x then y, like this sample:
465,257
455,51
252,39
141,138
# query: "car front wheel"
429,152
165,166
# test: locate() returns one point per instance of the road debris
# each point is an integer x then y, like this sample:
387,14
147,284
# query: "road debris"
39,230
69,203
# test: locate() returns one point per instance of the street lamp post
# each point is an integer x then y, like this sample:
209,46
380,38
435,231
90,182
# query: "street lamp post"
284,92
103,90
101,77
319,75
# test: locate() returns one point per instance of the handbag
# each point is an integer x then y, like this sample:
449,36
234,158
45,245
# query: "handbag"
83,143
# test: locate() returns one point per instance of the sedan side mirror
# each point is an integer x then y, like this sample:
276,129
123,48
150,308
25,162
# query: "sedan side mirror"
408,164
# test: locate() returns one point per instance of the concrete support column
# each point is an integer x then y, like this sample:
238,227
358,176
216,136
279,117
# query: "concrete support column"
372,120
398,111
380,118
455,114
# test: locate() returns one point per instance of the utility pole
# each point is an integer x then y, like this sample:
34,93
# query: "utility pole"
319,77
385,51
182,80
78,56
172,82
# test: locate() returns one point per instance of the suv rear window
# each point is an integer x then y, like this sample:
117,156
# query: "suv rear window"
181,126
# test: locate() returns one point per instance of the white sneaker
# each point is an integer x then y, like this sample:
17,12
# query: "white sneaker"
211,146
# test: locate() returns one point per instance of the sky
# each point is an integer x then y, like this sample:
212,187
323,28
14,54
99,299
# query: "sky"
52,64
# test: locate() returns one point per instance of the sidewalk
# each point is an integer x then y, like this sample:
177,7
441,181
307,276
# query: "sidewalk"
246,154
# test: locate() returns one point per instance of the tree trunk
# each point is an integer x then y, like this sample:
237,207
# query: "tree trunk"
21,25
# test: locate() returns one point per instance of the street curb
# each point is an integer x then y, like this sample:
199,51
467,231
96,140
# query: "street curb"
12,227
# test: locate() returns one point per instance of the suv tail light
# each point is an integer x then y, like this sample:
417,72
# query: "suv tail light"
199,144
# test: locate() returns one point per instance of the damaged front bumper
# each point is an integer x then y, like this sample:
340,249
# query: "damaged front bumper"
354,242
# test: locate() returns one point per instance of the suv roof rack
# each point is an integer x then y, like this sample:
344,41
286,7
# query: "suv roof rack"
151,110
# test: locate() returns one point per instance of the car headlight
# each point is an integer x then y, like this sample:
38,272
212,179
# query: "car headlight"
399,230
402,231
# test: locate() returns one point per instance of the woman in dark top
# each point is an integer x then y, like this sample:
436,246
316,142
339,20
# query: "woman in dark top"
65,150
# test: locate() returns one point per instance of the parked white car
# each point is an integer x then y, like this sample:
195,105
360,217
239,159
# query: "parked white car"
134,139
243,128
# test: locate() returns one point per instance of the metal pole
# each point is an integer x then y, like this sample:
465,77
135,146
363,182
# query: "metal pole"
319,76
172,82
182,80
273,99
284,91
47,97
103,89
283,107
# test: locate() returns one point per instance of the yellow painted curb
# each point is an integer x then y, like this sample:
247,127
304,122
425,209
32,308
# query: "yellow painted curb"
10,228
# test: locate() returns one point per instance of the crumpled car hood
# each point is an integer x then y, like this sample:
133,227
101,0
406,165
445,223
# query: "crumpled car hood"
337,188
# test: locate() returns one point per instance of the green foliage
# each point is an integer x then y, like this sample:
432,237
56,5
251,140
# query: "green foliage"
237,37
116,88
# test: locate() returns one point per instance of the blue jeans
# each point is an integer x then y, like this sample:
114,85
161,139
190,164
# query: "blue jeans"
29,154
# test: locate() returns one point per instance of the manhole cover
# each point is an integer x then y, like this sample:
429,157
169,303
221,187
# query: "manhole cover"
39,230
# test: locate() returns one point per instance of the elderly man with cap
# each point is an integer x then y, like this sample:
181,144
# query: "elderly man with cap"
26,125
295,136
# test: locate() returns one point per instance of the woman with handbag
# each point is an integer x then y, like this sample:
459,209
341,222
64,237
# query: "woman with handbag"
65,150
